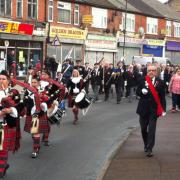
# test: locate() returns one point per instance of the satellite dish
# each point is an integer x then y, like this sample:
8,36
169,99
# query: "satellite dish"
141,31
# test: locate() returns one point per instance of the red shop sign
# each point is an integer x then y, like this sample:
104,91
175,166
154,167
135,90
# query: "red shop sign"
26,29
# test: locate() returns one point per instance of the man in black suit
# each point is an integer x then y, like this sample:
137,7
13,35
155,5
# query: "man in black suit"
80,68
96,78
152,104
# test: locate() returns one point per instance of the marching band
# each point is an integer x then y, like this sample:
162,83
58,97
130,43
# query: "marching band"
43,99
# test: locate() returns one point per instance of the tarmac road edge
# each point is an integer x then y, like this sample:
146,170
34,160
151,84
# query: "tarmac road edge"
111,155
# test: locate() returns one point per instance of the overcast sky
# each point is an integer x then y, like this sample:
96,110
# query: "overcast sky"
163,1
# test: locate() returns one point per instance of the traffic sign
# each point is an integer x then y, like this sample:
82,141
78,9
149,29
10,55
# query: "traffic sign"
6,43
56,41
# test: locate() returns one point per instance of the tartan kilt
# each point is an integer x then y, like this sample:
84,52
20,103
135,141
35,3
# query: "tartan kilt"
44,126
9,141
71,100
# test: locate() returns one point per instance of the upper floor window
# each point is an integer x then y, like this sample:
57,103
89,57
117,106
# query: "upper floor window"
5,8
50,10
32,9
64,12
130,22
168,28
99,17
152,25
76,14
19,8
176,29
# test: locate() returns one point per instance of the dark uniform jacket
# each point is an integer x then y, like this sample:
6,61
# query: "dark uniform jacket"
96,78
81,70
147,103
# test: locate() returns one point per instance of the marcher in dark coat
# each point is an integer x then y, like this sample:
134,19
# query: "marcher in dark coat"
107,81
152,104
96,80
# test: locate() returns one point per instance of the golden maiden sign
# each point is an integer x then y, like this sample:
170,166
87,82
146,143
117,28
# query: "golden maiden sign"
70,33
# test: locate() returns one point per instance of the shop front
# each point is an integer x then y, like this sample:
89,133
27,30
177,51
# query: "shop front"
27,47
154,47
99,47
71,43
133,47
173,51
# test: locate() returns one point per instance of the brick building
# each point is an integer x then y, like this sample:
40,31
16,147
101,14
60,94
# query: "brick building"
22,24
90,30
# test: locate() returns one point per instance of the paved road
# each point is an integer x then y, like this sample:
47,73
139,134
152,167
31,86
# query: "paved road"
76,152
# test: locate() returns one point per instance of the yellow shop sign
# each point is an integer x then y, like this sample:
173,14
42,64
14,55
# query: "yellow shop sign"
70,33
155,42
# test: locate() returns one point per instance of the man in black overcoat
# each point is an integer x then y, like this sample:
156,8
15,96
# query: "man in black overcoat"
152,104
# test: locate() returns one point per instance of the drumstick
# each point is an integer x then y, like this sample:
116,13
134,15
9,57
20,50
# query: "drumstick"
84,111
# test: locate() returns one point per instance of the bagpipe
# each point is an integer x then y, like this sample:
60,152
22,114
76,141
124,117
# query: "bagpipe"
55,89
37,99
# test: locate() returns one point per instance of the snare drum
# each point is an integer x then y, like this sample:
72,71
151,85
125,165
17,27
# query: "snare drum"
82,100
56,116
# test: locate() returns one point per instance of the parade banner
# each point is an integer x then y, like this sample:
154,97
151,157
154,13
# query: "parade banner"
16,28
70,33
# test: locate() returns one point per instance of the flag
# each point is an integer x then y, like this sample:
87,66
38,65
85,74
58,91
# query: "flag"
68,56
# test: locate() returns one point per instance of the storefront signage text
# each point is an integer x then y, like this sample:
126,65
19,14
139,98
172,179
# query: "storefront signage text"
130,40
155,42
16,28
71,33
101,42
87,19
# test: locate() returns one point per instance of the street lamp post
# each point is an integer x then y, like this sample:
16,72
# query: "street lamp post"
124,30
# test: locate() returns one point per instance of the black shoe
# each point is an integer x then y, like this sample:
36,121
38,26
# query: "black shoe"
145,149
149,154
4,173
118,102
46,143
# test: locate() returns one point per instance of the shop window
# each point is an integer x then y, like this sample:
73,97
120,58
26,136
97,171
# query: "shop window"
35,45
64,12
50,11
32,9
22,44
5,8
19,8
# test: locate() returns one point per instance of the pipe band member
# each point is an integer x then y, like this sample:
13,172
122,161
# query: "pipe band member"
8,122
42,125
74,86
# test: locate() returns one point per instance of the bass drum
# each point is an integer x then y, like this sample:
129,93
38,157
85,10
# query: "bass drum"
56,116
82,100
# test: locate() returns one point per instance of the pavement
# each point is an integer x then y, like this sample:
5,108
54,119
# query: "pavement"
130,162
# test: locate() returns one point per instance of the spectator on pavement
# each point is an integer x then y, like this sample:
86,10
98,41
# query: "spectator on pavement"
174,88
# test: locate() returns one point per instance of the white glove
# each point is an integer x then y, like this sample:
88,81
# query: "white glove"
125,83
144,91
167,83
43,107
164,113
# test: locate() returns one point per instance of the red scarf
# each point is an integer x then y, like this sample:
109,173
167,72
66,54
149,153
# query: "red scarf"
155,95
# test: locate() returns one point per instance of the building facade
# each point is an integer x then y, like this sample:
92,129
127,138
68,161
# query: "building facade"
35,29
22,25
